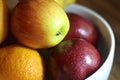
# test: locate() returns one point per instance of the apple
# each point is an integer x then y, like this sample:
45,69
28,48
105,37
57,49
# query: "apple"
39,23
60,2
68,2
3,20
73,59
81,28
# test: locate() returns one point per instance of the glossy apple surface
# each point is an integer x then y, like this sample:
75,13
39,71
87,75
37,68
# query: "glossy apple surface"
73,60
39,23
81,28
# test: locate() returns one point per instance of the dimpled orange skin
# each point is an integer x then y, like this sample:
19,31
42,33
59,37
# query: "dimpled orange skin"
20,63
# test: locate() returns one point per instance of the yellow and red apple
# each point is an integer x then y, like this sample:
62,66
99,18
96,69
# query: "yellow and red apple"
39,23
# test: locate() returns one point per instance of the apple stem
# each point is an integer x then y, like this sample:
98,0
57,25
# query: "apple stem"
58,33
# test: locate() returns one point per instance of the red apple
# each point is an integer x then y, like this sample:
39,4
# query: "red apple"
81,28
73,60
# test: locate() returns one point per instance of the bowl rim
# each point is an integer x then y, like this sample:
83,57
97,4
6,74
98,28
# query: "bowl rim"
110,57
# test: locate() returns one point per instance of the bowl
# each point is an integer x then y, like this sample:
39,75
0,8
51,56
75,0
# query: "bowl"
105,42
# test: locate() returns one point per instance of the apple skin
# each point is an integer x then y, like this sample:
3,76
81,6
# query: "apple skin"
81,28
73,59
3,20
60,2
39,23
68,2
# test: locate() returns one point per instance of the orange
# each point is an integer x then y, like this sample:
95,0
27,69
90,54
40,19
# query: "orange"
3,20
20,63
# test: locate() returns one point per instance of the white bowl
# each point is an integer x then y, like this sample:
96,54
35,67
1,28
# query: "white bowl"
105,42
